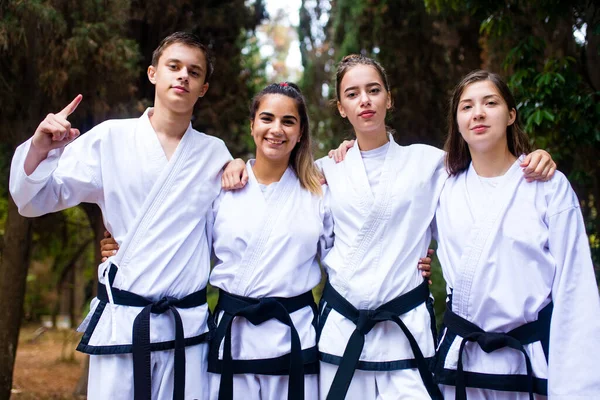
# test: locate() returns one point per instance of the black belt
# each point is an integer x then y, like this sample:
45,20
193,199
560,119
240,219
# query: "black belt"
365,320
258,311
491,341
141,351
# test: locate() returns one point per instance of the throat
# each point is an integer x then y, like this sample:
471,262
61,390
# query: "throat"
268,172
492,165
169,129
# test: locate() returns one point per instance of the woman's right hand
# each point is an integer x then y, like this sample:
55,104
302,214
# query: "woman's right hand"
108,246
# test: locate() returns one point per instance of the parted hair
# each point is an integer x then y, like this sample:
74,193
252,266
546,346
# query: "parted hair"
188,39
458,156
301,159
352,60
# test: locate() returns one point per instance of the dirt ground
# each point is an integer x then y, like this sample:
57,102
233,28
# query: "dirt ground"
47,365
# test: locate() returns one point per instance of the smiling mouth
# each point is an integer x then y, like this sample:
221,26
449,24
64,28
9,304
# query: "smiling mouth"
274,141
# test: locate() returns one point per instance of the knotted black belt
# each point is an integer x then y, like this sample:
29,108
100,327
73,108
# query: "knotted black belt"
491,341
258,311
141,350
365,320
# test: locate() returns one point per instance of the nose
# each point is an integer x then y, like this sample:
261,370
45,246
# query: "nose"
183,74
277,128
364,98
478,111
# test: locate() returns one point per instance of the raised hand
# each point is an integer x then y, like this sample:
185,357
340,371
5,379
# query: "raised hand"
55,130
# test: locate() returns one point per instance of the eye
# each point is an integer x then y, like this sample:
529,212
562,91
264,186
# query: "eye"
289,122
492,102
194,74
466,107
265,119
375,90
351,95
172,66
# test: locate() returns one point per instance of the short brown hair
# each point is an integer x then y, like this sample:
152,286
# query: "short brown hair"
458,156
188,39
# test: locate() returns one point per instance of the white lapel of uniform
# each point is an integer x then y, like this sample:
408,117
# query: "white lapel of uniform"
487,217
379,209
355,171
271,211
156,198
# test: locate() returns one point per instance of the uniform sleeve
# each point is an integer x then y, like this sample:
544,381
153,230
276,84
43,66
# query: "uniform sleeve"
575,326
326,239
67,177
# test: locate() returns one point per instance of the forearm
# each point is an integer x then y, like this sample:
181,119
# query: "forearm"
34,158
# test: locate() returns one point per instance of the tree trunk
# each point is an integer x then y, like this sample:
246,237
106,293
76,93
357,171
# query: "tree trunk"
14,264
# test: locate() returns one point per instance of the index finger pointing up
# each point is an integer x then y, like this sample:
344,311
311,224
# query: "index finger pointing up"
68,110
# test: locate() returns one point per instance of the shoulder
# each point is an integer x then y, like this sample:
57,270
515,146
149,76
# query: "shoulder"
325,162
212,142
559,194
105,131
424,150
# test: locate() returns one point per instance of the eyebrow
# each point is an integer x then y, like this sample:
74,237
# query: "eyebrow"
195,66
368,85
268,114
484,97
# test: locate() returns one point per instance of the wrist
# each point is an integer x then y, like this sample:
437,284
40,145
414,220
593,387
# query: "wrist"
37,153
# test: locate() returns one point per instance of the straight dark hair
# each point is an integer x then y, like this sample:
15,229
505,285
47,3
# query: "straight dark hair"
458,156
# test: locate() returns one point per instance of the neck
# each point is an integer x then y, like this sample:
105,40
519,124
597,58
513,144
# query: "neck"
492,163
269,171
170,123
371,141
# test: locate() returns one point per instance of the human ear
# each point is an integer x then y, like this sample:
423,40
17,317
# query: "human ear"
152,74
204,90
389,101
341,109
512,116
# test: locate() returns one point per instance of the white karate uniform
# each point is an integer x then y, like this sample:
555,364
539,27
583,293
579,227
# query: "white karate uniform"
269,248
506,252
379,238
156,210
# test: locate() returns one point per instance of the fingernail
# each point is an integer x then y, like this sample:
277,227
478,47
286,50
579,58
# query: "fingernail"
114,252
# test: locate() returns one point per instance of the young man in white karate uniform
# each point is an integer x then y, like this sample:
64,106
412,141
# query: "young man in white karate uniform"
522,320
146,329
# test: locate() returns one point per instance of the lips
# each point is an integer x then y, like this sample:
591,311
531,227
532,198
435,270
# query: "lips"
180,89
275,141
479,128
367,114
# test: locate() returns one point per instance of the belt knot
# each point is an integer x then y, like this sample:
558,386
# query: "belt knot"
492,341
365,321
164,304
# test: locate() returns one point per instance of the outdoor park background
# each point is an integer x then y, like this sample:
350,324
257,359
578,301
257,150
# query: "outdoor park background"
51,50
